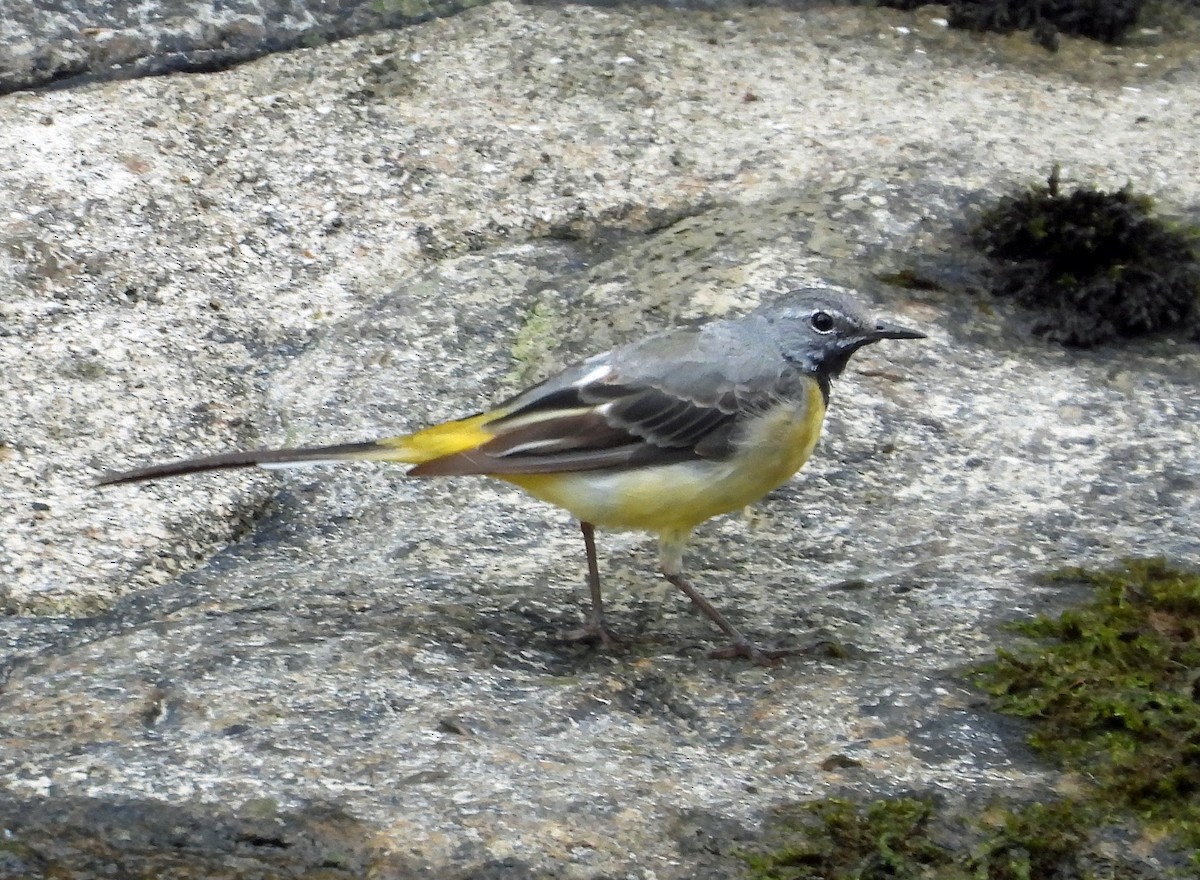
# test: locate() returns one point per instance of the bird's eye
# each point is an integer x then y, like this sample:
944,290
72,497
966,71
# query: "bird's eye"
822,322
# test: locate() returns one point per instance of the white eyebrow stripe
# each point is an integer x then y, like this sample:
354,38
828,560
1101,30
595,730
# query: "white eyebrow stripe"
592,376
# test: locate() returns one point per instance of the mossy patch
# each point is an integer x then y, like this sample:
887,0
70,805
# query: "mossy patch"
1114,691
1098,265
1032,841
833,839
911,838
1106,20
534,340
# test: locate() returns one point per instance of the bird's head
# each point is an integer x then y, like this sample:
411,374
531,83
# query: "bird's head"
818,329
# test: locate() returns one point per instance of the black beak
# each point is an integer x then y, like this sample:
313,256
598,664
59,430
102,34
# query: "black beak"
885,330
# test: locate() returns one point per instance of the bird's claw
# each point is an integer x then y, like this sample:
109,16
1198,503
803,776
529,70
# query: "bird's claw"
751,652
596,633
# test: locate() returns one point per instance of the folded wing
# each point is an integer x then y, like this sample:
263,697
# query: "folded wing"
624,410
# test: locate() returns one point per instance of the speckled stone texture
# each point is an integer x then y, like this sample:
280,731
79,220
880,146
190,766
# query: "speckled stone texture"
342,673
55,42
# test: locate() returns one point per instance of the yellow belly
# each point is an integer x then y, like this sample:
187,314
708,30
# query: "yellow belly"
679,497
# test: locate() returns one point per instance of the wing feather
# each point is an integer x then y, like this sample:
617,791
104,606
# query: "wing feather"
676,397
596,429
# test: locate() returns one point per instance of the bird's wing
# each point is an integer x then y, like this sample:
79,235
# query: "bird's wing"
675,397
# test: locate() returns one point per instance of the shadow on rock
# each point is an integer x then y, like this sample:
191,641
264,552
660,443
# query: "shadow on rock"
91,837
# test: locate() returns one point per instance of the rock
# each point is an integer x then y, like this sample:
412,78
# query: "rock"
69,43
350,672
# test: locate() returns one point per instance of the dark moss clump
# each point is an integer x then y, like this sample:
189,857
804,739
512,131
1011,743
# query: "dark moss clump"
895,839
1115,694
1033,841
835,839
1105,20
1097,264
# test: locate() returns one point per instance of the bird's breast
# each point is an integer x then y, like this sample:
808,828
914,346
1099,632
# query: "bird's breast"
772,446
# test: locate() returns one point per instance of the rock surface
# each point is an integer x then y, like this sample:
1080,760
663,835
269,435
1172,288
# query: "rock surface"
350,673
70,42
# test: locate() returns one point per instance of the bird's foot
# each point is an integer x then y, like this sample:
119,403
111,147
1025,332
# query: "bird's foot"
750,651
595,632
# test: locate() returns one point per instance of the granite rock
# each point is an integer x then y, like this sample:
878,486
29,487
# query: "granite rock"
345,673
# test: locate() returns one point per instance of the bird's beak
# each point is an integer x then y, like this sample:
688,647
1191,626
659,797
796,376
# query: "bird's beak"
886,330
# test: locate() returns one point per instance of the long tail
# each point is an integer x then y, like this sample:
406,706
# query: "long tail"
434,442
261,458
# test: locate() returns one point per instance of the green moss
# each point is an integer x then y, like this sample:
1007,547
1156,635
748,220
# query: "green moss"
1114,691
1032,841
537,335
835,839
906,837
1097,265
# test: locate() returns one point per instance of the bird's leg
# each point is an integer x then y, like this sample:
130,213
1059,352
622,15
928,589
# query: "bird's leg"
671,565
594,629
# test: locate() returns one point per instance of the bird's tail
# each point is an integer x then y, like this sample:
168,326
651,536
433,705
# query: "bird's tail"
426,445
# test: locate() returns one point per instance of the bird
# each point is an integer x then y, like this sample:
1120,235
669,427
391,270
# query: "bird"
658,435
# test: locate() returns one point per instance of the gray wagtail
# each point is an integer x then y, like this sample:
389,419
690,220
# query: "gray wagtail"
657,435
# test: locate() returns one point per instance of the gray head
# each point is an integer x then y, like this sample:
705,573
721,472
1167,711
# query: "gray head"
818,329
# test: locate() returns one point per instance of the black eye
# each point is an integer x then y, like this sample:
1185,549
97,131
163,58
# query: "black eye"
822,322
